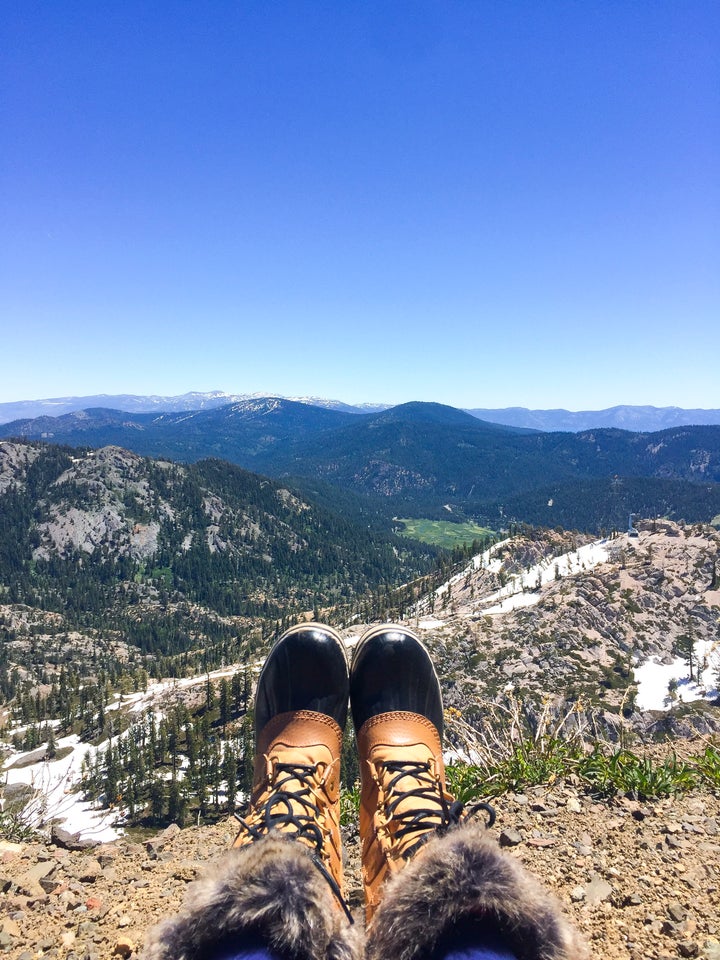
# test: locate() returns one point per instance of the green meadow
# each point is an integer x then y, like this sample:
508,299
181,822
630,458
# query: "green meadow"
443,533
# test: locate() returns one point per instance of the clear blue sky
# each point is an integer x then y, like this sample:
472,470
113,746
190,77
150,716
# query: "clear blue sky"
513,202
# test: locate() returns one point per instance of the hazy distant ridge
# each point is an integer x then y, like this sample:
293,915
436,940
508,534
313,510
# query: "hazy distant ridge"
643,419
132,403
624,417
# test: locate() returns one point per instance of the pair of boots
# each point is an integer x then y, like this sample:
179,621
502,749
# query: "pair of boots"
431,881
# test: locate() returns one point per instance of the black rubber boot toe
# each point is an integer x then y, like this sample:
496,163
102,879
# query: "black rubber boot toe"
307,669
392,670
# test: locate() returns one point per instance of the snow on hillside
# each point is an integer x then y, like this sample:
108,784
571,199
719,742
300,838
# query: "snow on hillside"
660,684
57,798
56,780
514,594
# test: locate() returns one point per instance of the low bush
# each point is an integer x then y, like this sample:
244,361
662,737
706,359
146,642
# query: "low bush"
510,748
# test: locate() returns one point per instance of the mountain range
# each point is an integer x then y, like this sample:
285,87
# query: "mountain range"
426,460
624,417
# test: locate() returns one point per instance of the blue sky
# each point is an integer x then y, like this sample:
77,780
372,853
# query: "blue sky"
476,203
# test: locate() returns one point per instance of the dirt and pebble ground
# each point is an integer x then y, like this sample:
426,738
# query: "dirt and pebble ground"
641,880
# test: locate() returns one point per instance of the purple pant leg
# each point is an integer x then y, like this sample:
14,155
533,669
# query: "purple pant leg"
478,953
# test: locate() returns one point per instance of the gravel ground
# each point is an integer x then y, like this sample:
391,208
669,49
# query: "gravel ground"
640,880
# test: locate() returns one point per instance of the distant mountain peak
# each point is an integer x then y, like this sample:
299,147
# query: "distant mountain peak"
426,412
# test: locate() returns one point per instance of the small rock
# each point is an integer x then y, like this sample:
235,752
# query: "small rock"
710,826
10,850
107,854
88,871
574,805
158,842
29,882
93,903
632,900
676,911
711,949
124,947
675,843
597,890
124,921
510,838
688,948
577,894
10,926
67,939
69,841
48,884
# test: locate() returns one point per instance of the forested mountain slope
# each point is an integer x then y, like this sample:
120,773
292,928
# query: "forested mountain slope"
421,459
88,532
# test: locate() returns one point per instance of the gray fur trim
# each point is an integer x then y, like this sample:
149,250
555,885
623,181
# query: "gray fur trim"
269,889
462,878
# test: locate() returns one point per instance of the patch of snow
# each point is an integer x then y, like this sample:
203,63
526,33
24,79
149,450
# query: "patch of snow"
513,602
653,679
54,781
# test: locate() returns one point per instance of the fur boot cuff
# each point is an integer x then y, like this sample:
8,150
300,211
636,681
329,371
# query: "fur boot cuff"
269,890
457,881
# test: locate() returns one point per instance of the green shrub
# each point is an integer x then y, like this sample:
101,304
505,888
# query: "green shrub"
640,777
708,764
350,804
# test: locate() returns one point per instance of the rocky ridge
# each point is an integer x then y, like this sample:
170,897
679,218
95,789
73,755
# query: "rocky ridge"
579,637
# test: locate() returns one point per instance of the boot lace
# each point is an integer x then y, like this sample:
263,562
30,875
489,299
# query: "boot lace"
441,812
295,806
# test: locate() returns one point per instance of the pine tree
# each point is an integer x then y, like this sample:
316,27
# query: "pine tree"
230,776
157,799
685,647
209,695
236,693
177,804
224,703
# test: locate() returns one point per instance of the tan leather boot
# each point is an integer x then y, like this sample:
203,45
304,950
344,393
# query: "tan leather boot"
397,712
300,711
